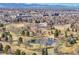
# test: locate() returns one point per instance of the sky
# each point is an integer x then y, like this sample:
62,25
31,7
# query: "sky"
39,1
39,5
64,3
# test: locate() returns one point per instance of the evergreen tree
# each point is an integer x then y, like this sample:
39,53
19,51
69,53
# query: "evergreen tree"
56,33
65,33
23,53
44,51
28,33
7,47
34,54
23,33
1,25
20,40
1,47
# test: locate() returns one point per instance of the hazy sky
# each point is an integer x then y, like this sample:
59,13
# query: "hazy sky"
39,1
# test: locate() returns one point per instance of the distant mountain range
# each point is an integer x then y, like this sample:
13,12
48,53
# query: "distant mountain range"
40,5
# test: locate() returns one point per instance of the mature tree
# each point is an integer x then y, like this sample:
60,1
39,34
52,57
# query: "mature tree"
3,35
1,24
72,40
0,39
20,40
75,30
17,52
6,49
56,33
37,21
23,53
44,51
1,47
23,33
51,32
72,25
34,54
68,29
6,38
4,29
65,33
28,33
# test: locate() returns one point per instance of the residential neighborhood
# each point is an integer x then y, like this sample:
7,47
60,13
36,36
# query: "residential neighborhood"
38,31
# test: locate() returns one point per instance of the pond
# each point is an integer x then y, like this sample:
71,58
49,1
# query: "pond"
44,41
